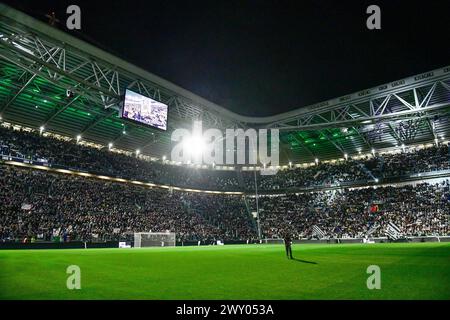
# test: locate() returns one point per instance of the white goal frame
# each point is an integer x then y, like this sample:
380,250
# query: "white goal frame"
154,239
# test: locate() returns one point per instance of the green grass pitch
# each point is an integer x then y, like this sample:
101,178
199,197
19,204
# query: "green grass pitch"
408,271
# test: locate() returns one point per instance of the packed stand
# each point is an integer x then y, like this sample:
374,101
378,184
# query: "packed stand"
75,156
31,145
386,166
41,205
322,174
418,210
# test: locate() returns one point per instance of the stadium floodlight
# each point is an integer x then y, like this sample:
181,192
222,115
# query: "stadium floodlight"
345,156
377,180
403,146
124,132
164,158
373,151
41,129
194,146
290,164
110,145
316,161
78,138
138,152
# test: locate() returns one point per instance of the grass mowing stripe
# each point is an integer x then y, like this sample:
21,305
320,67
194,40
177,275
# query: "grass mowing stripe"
408,271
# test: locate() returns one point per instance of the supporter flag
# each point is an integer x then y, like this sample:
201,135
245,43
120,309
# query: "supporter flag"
318,232
393,231
26,206
56,232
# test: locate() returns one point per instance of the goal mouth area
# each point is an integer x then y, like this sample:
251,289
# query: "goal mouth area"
154,239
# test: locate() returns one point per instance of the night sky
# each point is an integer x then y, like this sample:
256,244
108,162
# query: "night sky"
265,57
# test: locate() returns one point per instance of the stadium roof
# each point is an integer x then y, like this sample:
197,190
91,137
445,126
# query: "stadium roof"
38,63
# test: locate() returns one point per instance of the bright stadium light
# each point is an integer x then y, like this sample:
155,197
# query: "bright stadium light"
345,156
110,145
290,164
316,161
124,132
164,158
41,129
194,146
373,151
78,138
377,180
138,152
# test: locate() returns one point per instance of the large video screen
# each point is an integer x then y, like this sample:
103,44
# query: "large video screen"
145,110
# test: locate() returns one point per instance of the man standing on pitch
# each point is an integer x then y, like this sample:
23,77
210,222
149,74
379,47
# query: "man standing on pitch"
287,244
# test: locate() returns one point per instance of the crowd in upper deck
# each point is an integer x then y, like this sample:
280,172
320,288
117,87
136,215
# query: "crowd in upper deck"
76,156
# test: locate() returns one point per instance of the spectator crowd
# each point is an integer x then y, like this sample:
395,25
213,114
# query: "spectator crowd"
423,209
69,154
41,205
72,155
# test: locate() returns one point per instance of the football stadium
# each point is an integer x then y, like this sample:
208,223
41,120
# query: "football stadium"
111,187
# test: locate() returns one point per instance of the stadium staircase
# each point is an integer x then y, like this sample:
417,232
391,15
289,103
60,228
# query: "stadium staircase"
366,170
247,205
380,164
372,229
249,211
241,180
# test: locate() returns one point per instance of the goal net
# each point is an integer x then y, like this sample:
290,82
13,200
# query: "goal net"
154,239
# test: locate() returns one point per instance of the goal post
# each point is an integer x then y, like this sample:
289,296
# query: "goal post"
154,239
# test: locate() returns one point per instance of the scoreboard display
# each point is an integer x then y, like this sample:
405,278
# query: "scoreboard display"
142,109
